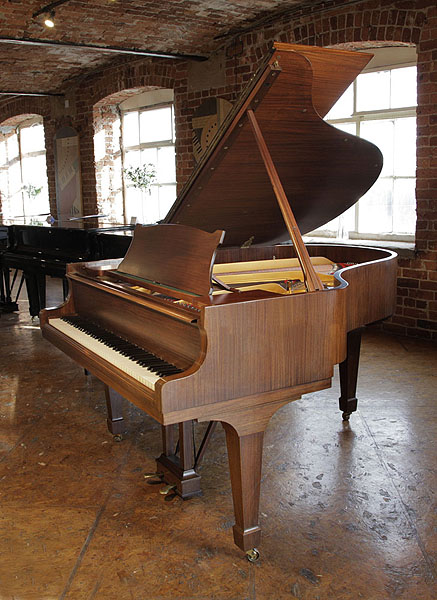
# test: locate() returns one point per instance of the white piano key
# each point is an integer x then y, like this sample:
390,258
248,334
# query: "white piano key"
128,366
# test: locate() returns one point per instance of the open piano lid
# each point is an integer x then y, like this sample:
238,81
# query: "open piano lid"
323,170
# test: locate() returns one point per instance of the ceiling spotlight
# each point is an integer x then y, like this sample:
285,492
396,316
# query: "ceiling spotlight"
49,21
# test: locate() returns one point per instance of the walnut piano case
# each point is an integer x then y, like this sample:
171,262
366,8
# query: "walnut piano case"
235,344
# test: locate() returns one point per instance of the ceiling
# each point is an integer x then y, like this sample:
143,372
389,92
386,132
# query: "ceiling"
185,27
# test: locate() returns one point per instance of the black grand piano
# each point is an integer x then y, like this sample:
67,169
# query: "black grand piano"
38,252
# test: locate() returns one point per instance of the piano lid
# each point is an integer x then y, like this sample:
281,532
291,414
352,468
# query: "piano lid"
323,170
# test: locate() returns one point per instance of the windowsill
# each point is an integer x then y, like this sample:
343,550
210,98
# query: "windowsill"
403,249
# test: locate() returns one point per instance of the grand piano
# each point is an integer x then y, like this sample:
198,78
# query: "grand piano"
221,313
39,252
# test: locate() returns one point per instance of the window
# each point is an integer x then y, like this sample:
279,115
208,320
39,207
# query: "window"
380,107
23,173
148,137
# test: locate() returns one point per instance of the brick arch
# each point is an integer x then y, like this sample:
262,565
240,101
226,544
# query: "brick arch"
108,105
365,23
27,105
120,96
139,75
18,119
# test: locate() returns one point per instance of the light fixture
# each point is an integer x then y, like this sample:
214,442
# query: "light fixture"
49,20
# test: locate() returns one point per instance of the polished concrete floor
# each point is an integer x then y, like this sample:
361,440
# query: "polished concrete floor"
347,510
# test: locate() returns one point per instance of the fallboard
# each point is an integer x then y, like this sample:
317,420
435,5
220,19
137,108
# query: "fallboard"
177,341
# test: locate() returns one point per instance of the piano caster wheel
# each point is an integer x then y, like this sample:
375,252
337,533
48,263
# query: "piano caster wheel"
252,555
346,416
118,437
166,489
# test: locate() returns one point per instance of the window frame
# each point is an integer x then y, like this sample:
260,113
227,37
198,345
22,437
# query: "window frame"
165,143
20,157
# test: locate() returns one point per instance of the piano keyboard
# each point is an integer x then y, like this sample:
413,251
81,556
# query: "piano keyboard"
143,366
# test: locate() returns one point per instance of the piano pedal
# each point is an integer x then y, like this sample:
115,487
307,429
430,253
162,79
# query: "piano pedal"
153,478
166,489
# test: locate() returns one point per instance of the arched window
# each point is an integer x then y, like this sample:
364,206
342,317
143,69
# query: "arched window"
23,172
148,138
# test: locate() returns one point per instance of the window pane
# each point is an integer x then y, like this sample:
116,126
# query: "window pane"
3,156
347,127
132,159
167,196
344,106
149,156
156,125
347,222
404,210
34,170
166,172
32,139
405,147
35,178
12,143
150,212
133,204
130,129
17,208
331,226
4,185
381,133
373,91
375,208
404,87
15,179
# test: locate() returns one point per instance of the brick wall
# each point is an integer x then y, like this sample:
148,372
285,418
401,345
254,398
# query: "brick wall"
354,25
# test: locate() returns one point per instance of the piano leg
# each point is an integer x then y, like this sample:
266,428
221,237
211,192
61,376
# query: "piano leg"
115,421
349,374
31,280
41,285
245,462
178,469
244,428
6,303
